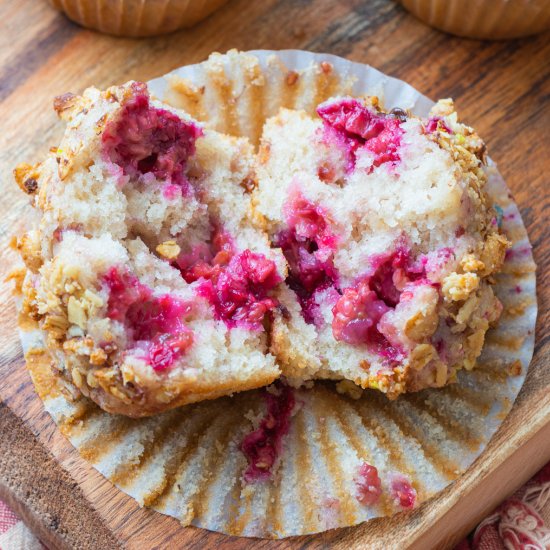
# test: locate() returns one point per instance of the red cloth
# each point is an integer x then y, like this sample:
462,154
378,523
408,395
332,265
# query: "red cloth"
519,523
14,534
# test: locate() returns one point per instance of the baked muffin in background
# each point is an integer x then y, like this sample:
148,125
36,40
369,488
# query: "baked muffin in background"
487,19
390,241
145,270
137,18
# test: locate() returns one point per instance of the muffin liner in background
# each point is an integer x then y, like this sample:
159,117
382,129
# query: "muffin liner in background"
489,19
187,462
137,17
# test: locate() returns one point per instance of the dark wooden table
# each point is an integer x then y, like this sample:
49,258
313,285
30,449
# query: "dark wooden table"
502,88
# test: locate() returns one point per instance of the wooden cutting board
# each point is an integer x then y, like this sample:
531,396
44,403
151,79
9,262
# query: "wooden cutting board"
502,88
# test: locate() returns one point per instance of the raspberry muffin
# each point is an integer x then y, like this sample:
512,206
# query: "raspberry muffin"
390,240
144,270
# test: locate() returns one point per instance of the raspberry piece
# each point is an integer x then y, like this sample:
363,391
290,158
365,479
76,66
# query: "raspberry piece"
166,349
236,285
402,492
437,124
308,221
156,320
239,293
307,244
385,144
124,290
262,446
356,316
157,315
352,118
146,139
207,259
363,127
369,486
360,308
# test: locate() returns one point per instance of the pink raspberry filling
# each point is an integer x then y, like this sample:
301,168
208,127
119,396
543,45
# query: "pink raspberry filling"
402,492
235,284
369,486
144,139
239,293
358,312
207,260
436,123
308,245
155,320
262,446
364,128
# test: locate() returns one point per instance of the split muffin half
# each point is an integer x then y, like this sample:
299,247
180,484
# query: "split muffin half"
390,240
145,268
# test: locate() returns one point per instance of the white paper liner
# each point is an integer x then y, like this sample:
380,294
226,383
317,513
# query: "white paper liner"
186,463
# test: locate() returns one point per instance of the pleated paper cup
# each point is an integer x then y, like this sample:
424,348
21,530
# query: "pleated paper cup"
187,462
137,17
489,19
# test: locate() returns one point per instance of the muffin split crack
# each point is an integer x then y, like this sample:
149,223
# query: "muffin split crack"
171,264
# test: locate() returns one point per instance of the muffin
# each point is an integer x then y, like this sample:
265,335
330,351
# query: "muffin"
136,18
390,240
281,461
145,271
489,19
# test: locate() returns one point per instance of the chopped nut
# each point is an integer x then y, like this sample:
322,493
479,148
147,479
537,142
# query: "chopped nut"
65,104
458,287
470,263
444,107
100,124
248,184
56,325
17,276
77,378
422,324
326,67
421,355
474,344
169,250
365,365
72,345
119,395
440,374
98,357
291,78
93,298
30,185
165,397
28,246
76,312
91,380
494,252
26,177
466,311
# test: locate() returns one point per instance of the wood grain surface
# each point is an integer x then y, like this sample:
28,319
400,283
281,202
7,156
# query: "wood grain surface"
502,88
